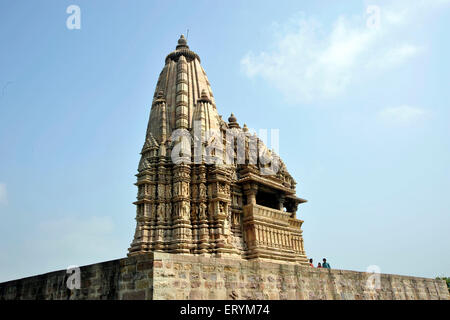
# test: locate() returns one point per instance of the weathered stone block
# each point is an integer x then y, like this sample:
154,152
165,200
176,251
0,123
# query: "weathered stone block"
142,284
252,280
144,265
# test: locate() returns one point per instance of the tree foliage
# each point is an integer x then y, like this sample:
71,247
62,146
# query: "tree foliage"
447,279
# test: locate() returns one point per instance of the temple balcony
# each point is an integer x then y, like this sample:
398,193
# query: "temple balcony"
272,234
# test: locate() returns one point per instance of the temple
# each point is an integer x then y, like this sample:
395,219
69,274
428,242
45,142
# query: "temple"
216,218
207,186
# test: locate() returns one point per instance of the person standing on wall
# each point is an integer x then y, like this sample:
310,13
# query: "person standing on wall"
325,264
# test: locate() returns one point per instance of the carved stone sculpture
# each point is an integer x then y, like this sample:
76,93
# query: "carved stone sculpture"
217,200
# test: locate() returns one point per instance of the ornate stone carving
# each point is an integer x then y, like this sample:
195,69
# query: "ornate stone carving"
209,208
202,211
202,191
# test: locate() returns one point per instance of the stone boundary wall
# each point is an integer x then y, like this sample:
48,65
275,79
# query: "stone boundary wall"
169,276
128,279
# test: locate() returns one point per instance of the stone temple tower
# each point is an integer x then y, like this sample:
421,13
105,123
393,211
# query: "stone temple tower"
207,186
216,210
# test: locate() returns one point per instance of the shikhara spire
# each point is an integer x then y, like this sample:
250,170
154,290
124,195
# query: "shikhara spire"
182,83
199,207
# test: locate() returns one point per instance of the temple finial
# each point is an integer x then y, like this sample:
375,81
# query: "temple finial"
204,97
232,121
182,42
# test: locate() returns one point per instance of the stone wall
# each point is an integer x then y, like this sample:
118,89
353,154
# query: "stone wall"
169,276
129,278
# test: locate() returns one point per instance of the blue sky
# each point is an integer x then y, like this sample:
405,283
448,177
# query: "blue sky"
362,111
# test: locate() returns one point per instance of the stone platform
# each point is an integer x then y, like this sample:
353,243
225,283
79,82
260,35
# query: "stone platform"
157,276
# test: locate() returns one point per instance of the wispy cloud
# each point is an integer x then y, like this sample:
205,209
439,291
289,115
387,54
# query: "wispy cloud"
402,115
3,194
311,61
394,56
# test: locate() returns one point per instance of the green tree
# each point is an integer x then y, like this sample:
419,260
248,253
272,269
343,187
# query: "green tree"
447,279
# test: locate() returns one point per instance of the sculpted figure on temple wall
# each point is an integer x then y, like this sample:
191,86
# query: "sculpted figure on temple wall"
151,191
161,213
176,190
222,209
227,189
202,191
185,189
176,209
194,191
226,228
168,191
152,211
168,211
202,211
235,219
194,210
161,191
185,210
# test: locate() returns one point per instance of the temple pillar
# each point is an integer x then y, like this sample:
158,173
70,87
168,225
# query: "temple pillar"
250,191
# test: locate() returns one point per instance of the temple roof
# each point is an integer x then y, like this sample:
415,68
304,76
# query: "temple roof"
183,99
181,85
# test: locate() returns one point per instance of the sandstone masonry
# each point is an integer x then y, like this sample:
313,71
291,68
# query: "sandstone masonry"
228,195
157,276
209,230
